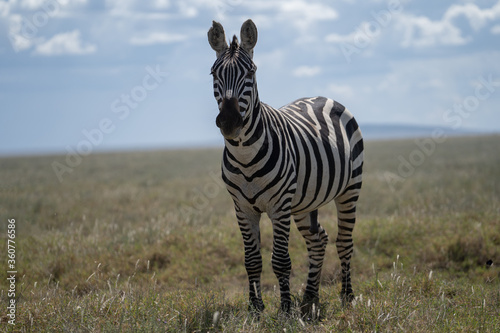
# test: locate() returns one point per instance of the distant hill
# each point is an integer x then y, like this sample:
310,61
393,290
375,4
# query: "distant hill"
395,131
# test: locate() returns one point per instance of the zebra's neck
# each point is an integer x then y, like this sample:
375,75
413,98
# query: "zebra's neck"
253,137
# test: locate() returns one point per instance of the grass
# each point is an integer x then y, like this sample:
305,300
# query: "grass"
148,242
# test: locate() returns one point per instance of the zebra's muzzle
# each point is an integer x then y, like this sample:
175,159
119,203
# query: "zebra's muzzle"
229,119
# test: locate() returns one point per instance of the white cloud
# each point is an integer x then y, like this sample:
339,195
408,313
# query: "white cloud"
20,39
65,43
299,13
27,19
420,31
39,12
120,8
187,10
161,4
365,34
48,5
495,29
4,9
476,16
20,43
155,10
31,4
157,38
307,11
338,38
306,71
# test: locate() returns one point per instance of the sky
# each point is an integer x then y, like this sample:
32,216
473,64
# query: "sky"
85,76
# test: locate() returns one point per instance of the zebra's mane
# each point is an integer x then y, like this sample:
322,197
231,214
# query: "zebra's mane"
234,53
234,45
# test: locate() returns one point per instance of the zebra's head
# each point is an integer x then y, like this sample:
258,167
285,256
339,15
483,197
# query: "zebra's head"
234,77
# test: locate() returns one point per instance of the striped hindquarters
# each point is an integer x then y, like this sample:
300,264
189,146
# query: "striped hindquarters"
328,150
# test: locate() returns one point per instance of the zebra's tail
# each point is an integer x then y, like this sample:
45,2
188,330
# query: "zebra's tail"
357,147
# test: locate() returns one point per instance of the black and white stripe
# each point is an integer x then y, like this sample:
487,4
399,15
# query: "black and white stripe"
286,162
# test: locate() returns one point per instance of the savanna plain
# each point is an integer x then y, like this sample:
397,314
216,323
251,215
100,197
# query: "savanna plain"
148,242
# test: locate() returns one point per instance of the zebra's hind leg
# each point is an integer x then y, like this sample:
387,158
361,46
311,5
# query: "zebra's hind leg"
316,240
346,214
250,230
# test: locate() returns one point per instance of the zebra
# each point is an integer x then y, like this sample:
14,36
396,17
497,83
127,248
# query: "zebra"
285,162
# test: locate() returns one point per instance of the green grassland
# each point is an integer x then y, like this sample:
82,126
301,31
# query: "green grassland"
148,242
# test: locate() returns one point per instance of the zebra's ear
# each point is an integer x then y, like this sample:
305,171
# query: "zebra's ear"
217,38
248,35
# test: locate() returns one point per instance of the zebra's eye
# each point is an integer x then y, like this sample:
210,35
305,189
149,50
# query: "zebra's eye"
250,74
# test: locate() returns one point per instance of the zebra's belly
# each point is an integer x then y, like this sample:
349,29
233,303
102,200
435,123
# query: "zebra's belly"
308,200
306,193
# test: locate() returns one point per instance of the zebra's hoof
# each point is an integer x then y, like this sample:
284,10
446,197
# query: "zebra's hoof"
347,298
256,307
309,307
286,306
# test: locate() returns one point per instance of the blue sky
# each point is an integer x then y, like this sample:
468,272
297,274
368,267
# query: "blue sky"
126,74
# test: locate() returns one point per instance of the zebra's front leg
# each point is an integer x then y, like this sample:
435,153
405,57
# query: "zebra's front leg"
282,265
250,230
316,240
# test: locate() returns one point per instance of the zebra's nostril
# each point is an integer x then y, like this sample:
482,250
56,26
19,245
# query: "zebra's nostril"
230,105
